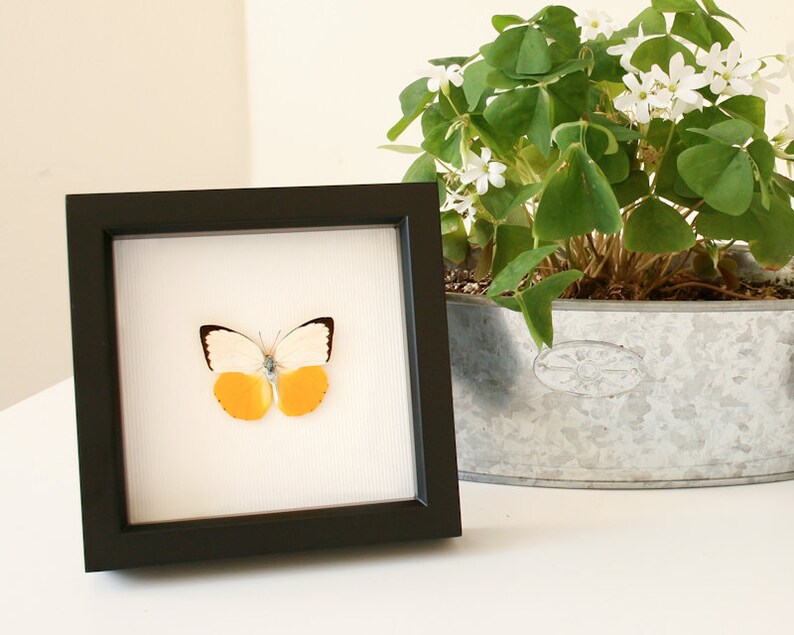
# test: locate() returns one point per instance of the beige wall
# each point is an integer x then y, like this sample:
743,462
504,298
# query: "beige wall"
102,95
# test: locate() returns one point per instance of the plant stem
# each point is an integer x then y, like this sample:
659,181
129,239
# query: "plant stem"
664,152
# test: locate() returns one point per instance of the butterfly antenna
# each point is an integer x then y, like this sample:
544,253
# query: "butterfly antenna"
269,351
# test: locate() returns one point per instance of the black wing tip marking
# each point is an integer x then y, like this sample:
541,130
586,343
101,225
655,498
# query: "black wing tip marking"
328,322
205,330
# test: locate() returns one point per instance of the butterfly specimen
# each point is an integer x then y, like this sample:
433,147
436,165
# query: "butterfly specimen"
250,376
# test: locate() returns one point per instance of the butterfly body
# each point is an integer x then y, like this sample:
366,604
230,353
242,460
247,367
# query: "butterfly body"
270,368
250,377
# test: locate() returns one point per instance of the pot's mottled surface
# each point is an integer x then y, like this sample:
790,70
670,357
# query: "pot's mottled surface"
634,394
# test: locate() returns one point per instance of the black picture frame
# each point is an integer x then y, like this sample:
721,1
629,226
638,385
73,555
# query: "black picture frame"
94,221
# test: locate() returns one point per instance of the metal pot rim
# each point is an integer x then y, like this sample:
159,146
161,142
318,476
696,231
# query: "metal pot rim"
642,306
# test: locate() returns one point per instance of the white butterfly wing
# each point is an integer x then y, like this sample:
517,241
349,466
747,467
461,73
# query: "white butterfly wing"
228,351
307,345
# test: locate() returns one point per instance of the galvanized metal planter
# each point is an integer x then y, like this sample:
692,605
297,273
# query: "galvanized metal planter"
633,394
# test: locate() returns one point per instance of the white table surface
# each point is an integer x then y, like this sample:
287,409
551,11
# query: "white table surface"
531,560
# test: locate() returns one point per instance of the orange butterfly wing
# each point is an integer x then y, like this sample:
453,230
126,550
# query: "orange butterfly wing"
243,396
301,391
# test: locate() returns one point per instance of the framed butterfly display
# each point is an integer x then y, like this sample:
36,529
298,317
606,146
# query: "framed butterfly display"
259,371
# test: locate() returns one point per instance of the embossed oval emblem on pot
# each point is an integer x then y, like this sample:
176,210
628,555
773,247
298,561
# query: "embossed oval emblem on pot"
589,368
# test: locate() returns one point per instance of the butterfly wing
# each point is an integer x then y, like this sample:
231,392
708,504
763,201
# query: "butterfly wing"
301,391
227,351
243,396
302,383
309,344
241,389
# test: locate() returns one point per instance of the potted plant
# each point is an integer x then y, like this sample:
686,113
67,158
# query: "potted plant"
577,159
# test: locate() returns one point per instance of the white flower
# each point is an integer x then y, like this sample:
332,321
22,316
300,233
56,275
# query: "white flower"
714,59
627,49
762,86
593,23
680,107
480,170
729,74
439,78
788,62
679,86
641,96
786,135
463,204
788,131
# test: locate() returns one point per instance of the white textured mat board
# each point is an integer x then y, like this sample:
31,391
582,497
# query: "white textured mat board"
185,456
